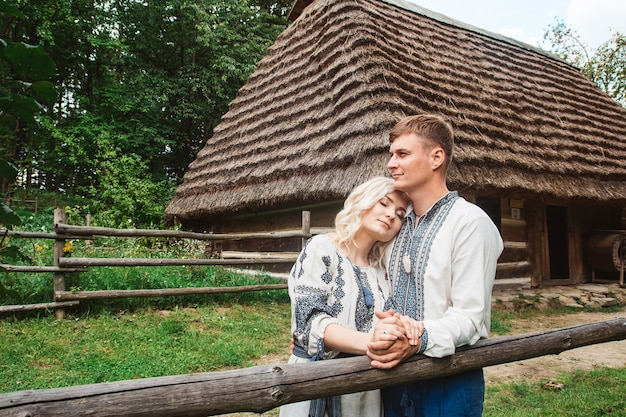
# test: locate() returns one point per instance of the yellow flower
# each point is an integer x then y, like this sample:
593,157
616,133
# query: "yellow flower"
67,247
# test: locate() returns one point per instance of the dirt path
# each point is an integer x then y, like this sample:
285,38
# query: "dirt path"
547,368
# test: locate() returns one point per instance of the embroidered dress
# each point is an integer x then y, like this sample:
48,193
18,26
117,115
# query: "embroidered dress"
325,288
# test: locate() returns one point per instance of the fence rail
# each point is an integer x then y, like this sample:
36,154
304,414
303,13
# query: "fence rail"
89,232
32,204
63,265
262,388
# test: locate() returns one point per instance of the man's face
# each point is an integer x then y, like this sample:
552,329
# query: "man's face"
410,162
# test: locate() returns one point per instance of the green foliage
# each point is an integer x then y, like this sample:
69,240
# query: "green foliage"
8,218
608,69
24,90
30,68
142,85
24,72
606,66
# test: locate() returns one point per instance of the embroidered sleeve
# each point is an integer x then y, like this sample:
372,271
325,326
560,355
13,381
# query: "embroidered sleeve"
316,290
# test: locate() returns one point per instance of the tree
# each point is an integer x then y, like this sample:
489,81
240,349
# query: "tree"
25,90
144,82
606,66
187,60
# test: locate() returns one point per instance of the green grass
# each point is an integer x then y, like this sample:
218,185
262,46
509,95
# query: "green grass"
600,392
37,353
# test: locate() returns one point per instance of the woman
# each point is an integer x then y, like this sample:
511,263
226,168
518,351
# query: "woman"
337,284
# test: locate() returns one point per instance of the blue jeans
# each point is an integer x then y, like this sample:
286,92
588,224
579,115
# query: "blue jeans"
454,396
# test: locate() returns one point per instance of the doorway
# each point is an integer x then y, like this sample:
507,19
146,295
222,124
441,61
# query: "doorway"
493,208
558,242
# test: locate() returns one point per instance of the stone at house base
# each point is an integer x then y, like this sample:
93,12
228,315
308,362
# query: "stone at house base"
574,296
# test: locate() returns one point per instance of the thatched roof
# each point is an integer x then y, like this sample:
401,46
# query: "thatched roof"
312,121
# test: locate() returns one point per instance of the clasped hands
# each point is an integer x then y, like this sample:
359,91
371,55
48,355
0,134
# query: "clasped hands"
395,338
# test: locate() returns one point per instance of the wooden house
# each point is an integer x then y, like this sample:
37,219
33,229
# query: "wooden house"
538,145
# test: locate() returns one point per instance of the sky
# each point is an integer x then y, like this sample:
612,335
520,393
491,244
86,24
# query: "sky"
528,20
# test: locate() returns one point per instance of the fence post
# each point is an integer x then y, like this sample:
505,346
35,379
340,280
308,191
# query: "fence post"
88,223
306,226
59,277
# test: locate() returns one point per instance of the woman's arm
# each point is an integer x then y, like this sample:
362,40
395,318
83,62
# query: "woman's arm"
390,328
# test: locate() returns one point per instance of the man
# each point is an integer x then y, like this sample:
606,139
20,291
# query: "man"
442,268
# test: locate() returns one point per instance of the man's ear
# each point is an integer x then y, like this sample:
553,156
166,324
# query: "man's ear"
438,157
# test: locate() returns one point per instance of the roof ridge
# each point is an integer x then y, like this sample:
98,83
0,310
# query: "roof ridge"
413,7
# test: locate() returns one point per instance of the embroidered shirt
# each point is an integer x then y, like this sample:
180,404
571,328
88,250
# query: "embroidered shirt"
453,250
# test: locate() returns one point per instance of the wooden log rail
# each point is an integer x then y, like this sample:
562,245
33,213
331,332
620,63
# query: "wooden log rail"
76,263
89,232
262,388
26,268
38,235
39,306
165,292
86,262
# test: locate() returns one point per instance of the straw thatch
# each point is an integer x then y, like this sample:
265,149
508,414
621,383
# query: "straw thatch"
312,121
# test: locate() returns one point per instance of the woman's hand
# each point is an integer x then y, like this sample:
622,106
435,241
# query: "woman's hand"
389,327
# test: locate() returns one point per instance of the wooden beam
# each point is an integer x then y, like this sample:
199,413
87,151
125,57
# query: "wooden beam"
87,262
262,388
26,268
38,235
105,231
41,306
165,292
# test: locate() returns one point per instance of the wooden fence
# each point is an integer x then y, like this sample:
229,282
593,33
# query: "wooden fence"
63,265
32,205
262,388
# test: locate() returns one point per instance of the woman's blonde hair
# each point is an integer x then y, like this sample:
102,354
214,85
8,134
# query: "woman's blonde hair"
348,220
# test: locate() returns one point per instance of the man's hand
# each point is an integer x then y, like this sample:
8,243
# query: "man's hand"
384,356
413,329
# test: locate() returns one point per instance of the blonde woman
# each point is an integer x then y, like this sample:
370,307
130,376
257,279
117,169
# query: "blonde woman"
336,286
